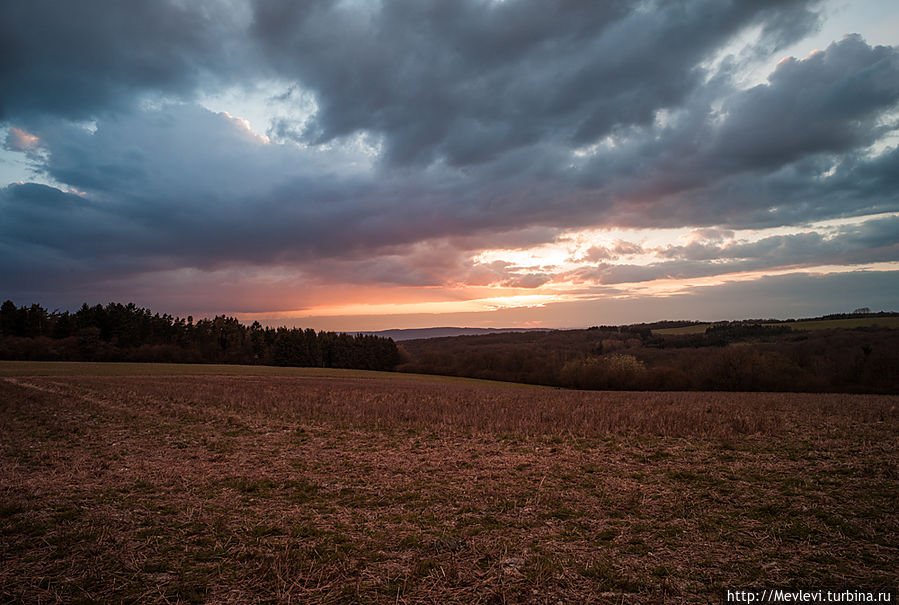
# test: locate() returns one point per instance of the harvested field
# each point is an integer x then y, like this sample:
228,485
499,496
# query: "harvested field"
346,489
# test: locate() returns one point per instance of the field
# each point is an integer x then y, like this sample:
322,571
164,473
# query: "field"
91,368
812,324
341,487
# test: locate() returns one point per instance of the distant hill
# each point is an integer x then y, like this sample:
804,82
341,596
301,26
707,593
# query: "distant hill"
421,333
839,353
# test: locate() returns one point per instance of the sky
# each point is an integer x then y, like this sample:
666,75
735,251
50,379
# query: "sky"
365,165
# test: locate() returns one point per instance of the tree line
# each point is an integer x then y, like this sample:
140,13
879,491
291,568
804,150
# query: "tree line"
126,332
737,356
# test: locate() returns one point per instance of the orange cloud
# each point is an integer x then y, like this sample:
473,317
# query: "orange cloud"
22,140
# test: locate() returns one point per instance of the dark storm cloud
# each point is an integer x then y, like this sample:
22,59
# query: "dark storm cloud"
77,59
761,158
52,238
470,80
185,187
184,184
830,102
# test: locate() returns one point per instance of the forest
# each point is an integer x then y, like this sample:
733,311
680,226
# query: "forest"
747,355
729,356
118,332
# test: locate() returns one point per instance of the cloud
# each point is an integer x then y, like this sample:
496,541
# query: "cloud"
470,81
872,241
598,253
829,102
796,295
785,296
618,249
182,184
789,150
79,60
404,137
528,280
21,140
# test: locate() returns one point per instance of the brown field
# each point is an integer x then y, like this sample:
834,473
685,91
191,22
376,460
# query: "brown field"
344,489
116,368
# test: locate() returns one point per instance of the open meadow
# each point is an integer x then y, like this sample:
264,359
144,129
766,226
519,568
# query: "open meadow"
161,484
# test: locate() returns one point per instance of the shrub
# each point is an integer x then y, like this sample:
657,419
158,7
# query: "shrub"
617,371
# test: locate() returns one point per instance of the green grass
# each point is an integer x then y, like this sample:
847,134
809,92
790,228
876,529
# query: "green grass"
812,324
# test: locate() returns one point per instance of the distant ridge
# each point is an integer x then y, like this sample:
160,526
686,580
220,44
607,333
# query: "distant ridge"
420,333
